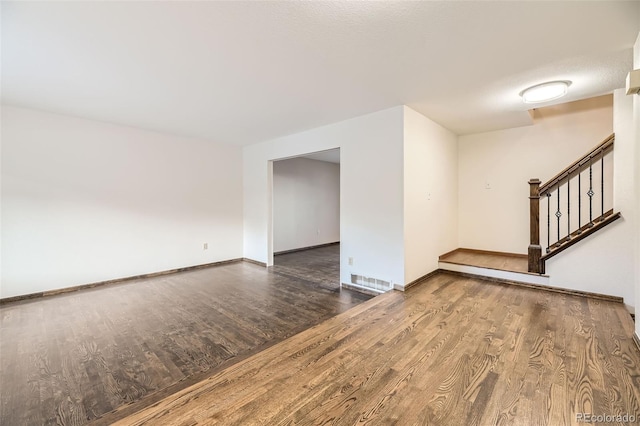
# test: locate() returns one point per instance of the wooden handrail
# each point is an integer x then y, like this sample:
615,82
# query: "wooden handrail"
578,164
536,261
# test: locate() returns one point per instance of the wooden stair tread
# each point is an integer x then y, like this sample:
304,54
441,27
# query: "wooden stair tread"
511,262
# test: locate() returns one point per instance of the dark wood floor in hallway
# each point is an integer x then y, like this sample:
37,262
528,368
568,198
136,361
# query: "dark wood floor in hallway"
68,359
319,265
451,351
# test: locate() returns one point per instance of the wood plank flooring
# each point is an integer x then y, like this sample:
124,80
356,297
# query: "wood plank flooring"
71,358
306,264
493,260
450,351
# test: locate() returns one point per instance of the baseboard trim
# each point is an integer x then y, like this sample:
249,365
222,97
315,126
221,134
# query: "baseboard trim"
255,262
305,248
416,281
114,281
541,287
359,289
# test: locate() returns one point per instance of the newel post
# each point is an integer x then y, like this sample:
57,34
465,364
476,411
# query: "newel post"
535,250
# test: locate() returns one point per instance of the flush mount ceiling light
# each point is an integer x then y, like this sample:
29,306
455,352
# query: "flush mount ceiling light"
545,92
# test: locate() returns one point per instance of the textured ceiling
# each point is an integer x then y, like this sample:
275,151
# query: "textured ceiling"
243,72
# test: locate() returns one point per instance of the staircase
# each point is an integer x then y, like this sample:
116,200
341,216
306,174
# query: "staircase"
574,204
577,204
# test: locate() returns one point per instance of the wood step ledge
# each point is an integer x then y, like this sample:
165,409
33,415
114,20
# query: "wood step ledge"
499,261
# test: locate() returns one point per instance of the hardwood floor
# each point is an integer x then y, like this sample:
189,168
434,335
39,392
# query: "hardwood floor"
450,351
492,260
305,265
68,359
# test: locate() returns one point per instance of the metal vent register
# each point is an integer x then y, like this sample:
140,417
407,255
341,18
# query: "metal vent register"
371,283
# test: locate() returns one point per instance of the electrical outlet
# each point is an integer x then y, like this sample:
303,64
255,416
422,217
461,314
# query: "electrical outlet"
487,185
351,261
205,246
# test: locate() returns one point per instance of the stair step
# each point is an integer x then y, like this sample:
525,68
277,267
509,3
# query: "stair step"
513,262
491,264
522,277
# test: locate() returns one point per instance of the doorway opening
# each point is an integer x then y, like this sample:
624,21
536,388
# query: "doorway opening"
306,218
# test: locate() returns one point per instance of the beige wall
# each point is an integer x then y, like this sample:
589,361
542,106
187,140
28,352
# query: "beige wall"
605,262
371,209
430,193
85,201
636,123
494,167
306,203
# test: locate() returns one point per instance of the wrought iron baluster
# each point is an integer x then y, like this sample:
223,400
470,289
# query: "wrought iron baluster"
569,206
602,185
590,193
558,213
579,203
548,221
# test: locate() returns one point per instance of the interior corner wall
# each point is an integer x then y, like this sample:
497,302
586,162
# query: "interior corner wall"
306,203
430,193
85,201
636,124
371,206
606,261
494,168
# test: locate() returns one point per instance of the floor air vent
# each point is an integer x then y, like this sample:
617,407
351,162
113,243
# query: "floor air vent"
371,283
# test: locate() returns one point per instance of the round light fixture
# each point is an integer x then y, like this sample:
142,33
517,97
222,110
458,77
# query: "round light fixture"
545,92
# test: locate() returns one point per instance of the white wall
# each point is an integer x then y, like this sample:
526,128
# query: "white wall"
498,218
605,262
636,122
85,201
430,193
306,203
371,191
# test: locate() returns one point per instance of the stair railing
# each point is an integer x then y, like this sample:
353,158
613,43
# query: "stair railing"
576,197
